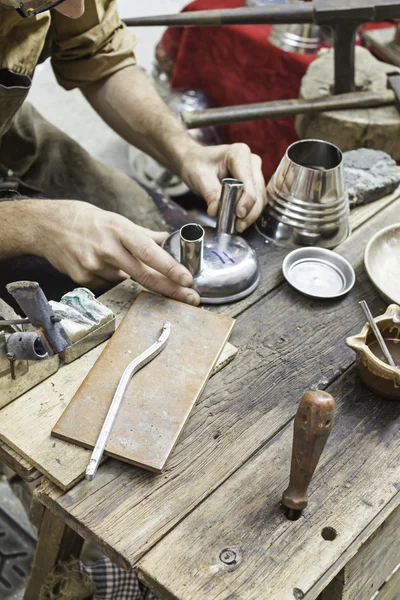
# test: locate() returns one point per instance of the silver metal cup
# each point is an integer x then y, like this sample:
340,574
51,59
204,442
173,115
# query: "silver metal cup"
300,38
307,201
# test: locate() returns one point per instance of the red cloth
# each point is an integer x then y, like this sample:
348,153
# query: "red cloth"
237,65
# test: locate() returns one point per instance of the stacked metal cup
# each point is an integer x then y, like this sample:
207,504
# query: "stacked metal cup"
307,200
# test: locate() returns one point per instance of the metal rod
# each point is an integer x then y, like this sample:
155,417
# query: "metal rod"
6,323
377,333
284,108
130,370
268,15
230,195
192,241
345,57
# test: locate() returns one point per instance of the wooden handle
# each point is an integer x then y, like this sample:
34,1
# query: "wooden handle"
312,426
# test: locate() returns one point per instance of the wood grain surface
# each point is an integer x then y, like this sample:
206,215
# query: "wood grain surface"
17,463
371,567
276,555
287,344
161,396
26,424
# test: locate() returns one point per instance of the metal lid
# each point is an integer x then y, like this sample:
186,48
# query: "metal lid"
318,272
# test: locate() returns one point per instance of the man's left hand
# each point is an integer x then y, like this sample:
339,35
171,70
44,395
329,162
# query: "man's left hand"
204,167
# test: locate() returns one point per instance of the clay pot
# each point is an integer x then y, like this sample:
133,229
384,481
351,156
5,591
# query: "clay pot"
377,375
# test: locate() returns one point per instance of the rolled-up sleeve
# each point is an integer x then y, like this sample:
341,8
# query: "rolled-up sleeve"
94,46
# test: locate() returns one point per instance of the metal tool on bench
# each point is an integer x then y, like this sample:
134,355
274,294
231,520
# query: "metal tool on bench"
29,357
312,427
50,335
138,363
224,267
344,18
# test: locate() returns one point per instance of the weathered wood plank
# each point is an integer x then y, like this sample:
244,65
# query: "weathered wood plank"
359,474
391,590
56,543
287,344
373,564
18,463
26,424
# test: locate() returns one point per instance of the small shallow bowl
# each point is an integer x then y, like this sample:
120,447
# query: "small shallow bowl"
375,373
382,262
318,272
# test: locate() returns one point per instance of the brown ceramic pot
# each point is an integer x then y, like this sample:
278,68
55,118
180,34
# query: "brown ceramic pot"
377,375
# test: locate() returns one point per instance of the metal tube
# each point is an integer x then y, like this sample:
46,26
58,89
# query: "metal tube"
232,189
192,240
25,346
268,15
377,333
133,367
284,108
345,57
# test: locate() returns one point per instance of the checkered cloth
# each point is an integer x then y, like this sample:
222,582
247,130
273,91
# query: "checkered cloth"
112,583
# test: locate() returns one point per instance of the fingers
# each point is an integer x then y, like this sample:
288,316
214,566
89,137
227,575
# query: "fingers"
239,163
153,280
261,197
158,236
212,193
142,247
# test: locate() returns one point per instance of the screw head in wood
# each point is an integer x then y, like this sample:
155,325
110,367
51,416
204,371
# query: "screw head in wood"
228,556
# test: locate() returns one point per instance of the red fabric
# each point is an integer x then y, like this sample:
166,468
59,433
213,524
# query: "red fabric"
237,65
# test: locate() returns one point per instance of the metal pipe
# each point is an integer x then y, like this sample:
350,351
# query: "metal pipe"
284,108
268,15
232,189
192,241
345,57
25,346
133,367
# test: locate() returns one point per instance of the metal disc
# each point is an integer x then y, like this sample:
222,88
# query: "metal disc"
318,272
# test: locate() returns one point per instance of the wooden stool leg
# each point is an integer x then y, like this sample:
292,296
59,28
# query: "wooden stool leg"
57,542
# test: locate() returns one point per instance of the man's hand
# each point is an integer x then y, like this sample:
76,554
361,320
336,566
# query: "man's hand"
128,102
94,246
204,168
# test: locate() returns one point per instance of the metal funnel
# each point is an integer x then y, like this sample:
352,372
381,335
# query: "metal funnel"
224,267
307,201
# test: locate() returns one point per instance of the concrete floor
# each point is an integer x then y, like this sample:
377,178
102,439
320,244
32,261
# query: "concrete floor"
69,110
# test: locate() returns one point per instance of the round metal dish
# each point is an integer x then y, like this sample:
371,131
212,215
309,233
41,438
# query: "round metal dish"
318,272
382,262
229,270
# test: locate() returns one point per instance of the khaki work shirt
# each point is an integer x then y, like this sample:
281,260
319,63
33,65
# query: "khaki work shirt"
82,50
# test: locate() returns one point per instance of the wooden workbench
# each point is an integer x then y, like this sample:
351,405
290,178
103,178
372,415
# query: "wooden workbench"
222,486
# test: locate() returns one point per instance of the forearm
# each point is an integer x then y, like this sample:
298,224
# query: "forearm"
19,222
129,103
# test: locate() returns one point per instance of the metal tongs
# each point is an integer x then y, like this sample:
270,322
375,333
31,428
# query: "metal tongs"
133,367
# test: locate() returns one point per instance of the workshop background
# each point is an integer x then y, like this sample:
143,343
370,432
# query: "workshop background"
69,110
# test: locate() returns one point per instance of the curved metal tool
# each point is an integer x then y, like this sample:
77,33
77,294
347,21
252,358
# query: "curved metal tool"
127,375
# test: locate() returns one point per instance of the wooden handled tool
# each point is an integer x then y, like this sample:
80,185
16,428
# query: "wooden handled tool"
312,426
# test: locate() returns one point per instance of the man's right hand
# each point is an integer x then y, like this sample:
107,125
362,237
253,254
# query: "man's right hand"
94,246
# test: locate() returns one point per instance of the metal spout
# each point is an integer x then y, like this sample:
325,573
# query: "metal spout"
231,191
192,240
